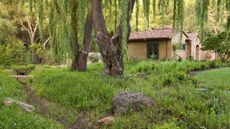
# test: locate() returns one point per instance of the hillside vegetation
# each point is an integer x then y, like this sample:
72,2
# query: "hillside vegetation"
14,117
180,99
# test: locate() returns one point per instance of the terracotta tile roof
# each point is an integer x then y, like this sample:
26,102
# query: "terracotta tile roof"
158,33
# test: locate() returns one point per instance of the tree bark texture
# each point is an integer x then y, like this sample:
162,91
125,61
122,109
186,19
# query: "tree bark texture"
79,62
110,46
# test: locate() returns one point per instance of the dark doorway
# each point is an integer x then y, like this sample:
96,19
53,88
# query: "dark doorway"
153,50
197,52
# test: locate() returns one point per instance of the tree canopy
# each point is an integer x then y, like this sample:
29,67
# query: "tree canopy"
65,21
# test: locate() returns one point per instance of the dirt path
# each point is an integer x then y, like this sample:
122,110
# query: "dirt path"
45,108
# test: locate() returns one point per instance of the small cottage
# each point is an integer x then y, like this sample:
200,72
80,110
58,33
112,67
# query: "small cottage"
164,43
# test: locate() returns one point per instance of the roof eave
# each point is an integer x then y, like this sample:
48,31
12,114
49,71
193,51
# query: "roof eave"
149,39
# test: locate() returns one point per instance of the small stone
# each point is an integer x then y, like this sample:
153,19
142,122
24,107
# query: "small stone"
106,120
26,107
203,89
8,102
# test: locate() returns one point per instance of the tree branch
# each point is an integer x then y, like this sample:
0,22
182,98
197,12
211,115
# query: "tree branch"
98,18
88,31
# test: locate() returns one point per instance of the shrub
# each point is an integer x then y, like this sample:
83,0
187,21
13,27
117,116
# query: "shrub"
12,53
143,67
94,57
215,64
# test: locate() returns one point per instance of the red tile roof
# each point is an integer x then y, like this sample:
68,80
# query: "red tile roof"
158,33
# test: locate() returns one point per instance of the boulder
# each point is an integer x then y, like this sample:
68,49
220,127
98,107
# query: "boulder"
131,101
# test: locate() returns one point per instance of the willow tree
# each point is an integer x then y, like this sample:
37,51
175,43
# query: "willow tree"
113,45
70,24
220,8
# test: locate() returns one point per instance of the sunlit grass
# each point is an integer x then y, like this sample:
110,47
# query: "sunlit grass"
217,78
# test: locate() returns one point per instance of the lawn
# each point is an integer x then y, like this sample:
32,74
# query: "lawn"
218,78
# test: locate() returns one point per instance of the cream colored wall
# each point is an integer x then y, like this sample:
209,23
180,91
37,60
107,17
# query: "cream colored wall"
163,50
137,50
207,55
176,40
204,55
169,48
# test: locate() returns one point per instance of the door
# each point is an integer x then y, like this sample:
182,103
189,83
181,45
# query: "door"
197,52
153,50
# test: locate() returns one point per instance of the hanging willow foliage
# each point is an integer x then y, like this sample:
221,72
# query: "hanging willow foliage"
202,14
137,14
178,16
124,5
56,14
146,6
202,10
154,8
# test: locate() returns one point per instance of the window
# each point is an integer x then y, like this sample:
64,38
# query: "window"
182,46
153,50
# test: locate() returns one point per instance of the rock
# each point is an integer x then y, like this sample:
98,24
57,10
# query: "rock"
26,107
106,120
131,101
9,102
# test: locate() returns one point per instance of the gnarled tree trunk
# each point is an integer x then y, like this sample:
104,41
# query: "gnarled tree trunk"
79,62
110,46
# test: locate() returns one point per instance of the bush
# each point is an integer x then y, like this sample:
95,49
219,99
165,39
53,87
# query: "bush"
215,64
12,53
143,67
94,57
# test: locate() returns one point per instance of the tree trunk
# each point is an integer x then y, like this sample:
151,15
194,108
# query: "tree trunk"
111,56
79,62
110,47
33,56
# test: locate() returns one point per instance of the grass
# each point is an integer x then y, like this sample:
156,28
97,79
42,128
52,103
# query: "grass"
14,117
88,96
179,103
218,78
